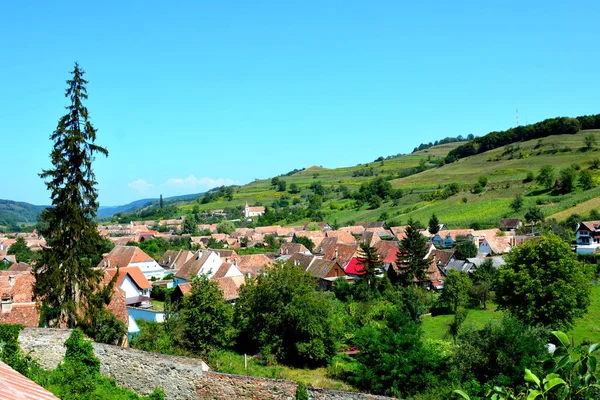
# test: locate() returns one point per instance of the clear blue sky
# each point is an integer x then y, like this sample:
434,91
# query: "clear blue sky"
187,95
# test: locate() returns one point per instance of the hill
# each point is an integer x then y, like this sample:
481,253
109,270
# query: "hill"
422,177
15,213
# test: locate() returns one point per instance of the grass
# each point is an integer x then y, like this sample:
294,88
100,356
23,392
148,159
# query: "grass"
157,305
232,363
586,329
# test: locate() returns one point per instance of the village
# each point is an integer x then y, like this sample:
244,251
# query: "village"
334,254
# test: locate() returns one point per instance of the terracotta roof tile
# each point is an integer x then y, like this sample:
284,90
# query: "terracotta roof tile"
230,286
343,237
14,386
134,273
253,263
122,256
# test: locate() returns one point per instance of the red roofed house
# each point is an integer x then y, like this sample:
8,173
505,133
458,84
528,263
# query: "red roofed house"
253,211
132,256
134,284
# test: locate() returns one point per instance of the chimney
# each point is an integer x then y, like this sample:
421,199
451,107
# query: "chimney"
108,263
7,301
336,253
11,280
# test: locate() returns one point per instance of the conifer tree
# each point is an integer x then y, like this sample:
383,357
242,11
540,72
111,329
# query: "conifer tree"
434,224
412,264
67,283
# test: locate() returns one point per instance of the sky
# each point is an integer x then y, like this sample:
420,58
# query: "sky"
189,95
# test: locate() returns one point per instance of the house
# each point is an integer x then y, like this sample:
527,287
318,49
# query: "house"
447,239
342,236
587,235
510,224
174,259
20,267
10,258
256,211
292,248
327,271
460,266
497,262
371,225
229,285
15,386
132,256
495,245
135,285
315,236
202,263
253,264
354,230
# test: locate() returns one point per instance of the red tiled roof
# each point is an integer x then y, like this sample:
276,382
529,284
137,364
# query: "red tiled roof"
185,288
14,386
134,273
355,267
253,263
343,237
21,267
230,286
122,256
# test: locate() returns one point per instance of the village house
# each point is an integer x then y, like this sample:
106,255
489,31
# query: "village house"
174,259
135,285
342,236
204,262
253,264
132,256
510,224
587,236
256,211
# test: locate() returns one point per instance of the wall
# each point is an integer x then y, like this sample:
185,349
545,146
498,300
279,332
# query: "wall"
181,378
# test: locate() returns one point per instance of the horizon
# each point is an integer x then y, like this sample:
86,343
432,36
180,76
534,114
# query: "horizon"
194,96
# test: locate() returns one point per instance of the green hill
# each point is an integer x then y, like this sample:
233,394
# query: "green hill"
14,213
421,174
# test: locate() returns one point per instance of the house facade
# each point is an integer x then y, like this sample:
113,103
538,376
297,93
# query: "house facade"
250,212
587,236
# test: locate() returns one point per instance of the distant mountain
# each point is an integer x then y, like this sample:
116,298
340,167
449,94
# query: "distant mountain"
108,211
15,213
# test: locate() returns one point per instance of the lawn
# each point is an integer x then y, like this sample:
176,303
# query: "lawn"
587,328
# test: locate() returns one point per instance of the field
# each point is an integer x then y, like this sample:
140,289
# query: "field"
505,169
586,329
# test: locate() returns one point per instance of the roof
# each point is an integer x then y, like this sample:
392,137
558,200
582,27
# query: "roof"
175,258
370,225
14,386
18,284
590,225
341,253
355,267
320,268
355,230
134,273
122,256
342,236
510,223
191,268
253,263
185,288
303,260
460,265
454,233
387,250
230,286
292,248
22,267
442,257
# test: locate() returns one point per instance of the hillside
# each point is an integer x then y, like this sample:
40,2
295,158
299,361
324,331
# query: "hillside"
14,213
506,169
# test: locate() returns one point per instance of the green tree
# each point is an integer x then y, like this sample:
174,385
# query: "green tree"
189,226
534,215
465,249
281,314
226,227
482,180
457,287
313,226
66,277
229,191
372,266
545,176
20,250
281,186
294,189
454,326
589,141
484,278
567,179
207,317
543,282
307,242
412,264
161,203
434,224
274,181
586,180
517,203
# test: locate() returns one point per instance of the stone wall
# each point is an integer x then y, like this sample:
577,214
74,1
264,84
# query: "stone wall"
181,378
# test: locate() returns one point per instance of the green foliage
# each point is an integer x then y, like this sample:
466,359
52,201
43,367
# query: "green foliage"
498,353
313,226
483,181
281,186
307,242
301,392
454,326
158,337
586,180
534,214
21,251
11,353
370,284
543,282
294,189
225,227
545,176
484,279
529,178
412,264
457,287
282,315
589,141
465,249
189,227
517,203
66,277
434,224
207,317
567,179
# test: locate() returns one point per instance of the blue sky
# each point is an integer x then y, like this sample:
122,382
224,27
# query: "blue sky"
195,94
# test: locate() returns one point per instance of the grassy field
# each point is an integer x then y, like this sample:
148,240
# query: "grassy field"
504,170
586,329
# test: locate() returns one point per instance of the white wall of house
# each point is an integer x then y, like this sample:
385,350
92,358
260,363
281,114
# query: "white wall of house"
150,269
211,265
130,288
583,237
233,271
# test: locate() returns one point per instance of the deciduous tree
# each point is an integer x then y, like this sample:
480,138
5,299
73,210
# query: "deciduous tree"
456,289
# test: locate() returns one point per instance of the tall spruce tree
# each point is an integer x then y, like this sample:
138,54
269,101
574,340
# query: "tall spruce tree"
434,224
411,261
68,285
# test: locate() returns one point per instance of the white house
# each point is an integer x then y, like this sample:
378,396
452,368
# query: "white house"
253,211
132,256
588,237
205,262
134,284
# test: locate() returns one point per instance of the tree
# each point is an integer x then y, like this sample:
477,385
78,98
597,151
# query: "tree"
281,185
589,141
294,188
412,264
586,180
207,317
281,314
454,326
229,191
484,278
20,250
66,277
456,289
465,249
546,176
306,241
189,226
517,203
567,179
434,224
543,282
372,266
226,227
161,203
482,180
534,215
